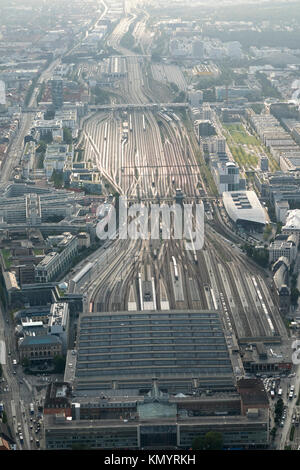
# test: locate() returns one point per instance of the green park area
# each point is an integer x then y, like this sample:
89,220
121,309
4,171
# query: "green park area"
240,135
246,148
6,258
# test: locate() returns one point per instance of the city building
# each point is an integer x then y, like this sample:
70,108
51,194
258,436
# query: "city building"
39,348
57,262
195,97
292,224
244,208
281,210
280,271
198,49
57,155
57,92
226,175
58,323
155,419
264,163
283,246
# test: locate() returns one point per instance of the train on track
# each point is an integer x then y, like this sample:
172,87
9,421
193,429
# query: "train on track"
80,276
175,268
164,116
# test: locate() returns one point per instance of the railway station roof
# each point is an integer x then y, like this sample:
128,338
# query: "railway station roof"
132,348
244,206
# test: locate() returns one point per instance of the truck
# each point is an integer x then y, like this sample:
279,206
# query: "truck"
272,394
31,408
280,392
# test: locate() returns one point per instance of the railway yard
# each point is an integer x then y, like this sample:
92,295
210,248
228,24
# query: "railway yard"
145,156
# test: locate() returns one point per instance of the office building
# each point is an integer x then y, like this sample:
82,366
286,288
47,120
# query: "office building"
57,155
198,49
264,163
281,210
57,262
58,323
155,419
283,246
57,92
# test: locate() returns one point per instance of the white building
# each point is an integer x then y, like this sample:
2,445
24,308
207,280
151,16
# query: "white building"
2,93
281,210
58,323
55,263
56,156
226,176
286,248
234,50
244,207
195,97
292,224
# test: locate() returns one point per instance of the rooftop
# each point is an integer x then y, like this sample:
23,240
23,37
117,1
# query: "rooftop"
121,345
292,220
244,205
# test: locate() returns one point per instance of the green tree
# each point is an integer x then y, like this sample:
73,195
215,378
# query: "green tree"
42,147
294,295
211,441
25,362
1,371
67,136
58,178
59,363
4,418
198,443
278,410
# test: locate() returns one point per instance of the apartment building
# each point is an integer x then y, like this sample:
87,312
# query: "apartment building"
57,262
57,155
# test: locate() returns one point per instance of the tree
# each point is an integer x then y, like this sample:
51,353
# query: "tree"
211,441
294,295
67,136
1,371
198,443
58,178
59,363
4,418
278,410
25,362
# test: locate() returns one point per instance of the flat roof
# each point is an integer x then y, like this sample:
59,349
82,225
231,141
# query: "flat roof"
244,206
181,344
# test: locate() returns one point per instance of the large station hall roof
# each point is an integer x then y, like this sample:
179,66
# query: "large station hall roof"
133,348
244,206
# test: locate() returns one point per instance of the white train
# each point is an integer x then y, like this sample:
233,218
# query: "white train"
271,326
175,268
105,131
164,116
144,124
130,122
